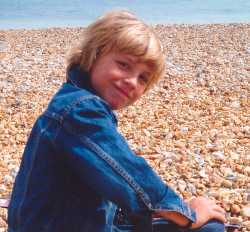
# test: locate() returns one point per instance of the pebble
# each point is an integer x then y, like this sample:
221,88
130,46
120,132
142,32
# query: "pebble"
3,46
246,224
218,155
246,211
247,171
231,176
3,188
202,173
182,185
8,179
236,220
211,147
227,183
192,188
246,198
235,209
234,156
2,223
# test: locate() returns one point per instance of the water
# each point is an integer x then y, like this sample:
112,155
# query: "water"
73,13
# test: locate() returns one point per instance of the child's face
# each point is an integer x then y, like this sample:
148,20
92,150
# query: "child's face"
119,78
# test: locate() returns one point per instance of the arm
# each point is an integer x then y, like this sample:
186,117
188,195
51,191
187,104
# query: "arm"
205,210
91,145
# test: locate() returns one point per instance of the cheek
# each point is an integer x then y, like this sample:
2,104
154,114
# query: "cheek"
141,91
97,78
115,73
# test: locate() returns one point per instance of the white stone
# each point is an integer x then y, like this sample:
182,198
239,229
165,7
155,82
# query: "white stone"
202,173
219,155
182,185
246,211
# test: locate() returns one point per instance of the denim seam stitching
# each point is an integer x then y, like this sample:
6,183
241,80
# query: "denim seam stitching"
80,99
54,116
102,154
83,98
66,110
74,84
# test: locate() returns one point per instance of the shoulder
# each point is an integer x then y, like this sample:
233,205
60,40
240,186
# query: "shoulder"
71,101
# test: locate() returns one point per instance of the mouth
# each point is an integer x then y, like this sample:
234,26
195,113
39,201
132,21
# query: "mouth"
122,92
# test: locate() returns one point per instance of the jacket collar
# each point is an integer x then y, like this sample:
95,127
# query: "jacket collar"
79,78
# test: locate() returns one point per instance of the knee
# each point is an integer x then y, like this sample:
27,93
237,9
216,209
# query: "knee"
212,226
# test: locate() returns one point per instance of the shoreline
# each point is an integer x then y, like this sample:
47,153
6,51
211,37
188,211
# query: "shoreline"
197,132
153,25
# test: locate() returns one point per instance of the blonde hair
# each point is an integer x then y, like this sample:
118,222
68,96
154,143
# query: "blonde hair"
120,31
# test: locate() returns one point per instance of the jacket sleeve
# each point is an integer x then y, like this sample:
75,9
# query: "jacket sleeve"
99,154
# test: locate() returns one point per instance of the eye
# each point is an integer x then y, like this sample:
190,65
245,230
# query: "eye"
144,78
123,64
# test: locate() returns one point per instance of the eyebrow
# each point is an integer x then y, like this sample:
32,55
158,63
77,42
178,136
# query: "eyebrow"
132,59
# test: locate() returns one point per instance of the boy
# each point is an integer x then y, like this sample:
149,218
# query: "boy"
77,169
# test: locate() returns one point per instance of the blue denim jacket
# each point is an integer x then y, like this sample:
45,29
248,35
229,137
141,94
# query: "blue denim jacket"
77,168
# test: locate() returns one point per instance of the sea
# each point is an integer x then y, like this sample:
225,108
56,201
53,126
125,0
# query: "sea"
15,14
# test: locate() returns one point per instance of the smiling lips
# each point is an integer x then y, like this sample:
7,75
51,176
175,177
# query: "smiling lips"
124,93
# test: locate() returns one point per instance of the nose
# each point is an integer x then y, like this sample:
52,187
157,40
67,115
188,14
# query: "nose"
131,82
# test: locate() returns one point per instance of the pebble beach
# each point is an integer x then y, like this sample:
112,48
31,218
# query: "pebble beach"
193,127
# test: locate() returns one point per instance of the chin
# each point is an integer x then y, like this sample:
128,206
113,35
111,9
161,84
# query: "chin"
116,106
